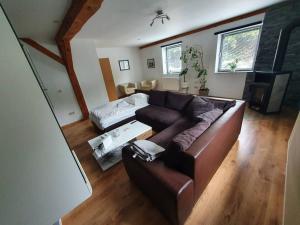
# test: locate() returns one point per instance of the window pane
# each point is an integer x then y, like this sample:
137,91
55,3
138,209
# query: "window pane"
240,46
173,59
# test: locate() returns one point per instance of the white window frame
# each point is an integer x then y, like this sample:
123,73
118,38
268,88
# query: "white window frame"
220,43
164,58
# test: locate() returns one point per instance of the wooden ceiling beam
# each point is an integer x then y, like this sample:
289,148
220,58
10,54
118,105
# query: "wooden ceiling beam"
78,14
230,20
43,50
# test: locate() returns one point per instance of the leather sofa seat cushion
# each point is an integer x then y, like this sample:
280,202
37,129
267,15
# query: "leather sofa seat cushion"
178,101
157,117
198,106
157,98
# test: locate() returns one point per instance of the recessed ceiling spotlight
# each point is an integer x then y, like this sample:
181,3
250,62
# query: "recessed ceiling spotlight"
161,16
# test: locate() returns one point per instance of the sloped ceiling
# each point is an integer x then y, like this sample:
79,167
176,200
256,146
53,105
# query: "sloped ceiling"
125,22
36,19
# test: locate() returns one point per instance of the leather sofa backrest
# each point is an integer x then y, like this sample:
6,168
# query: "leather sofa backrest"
178,101
157,98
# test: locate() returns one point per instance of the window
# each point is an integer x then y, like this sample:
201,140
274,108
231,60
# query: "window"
171,59
237,49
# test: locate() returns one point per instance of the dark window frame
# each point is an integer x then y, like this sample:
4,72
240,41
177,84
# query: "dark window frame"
229,32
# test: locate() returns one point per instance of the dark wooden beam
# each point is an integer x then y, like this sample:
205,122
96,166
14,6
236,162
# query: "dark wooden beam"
43,50
78,14
233,19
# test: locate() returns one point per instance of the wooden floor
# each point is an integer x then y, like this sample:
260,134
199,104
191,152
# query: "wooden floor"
247,188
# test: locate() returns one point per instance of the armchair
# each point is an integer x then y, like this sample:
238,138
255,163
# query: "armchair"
127,88
148,84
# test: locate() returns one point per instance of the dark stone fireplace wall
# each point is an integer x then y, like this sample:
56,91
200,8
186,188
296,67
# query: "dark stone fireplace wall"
276,18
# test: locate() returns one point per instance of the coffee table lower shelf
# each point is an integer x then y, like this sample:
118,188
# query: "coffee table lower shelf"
110,159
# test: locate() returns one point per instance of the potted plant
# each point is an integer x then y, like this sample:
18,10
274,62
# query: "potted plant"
201,74
192,57
233,65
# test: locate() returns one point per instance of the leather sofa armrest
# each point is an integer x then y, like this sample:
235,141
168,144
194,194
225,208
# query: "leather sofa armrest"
206,154
171,191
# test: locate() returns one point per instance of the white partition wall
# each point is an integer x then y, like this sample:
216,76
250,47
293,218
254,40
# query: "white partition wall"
292,179
39,178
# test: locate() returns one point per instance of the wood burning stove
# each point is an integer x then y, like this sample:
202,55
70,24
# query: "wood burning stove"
268,90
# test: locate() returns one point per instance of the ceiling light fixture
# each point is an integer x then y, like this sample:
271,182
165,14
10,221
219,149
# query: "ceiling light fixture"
160,15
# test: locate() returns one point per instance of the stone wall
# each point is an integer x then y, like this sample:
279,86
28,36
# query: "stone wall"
276,18
292,62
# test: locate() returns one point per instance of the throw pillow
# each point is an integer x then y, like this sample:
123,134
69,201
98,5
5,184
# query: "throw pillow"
198,106
221,104
186,138
210,116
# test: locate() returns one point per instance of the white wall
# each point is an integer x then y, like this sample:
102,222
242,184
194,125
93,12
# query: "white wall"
229,85
135,74
40,180
89,75
56,80
292,180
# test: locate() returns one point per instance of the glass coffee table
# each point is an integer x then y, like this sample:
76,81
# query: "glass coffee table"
120,137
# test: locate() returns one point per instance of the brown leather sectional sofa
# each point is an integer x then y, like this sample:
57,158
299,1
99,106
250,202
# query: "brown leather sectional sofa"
175,181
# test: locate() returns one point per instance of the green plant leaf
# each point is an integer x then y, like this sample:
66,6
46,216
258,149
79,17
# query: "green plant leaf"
183,72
